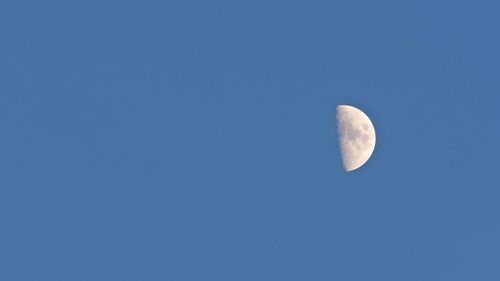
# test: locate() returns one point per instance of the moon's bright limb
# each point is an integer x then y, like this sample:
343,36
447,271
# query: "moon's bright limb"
356,136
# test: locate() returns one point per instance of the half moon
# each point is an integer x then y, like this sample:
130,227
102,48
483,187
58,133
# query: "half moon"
356,136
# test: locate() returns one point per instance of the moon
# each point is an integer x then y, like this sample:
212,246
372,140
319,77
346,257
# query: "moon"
356,136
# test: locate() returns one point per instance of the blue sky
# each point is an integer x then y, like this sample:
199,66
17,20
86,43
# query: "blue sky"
196,140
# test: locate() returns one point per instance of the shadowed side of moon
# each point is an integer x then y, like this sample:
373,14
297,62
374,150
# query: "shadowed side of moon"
356,136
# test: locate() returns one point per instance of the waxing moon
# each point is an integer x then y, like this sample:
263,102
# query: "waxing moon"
356,136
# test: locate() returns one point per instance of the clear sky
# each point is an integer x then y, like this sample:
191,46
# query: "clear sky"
196,140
